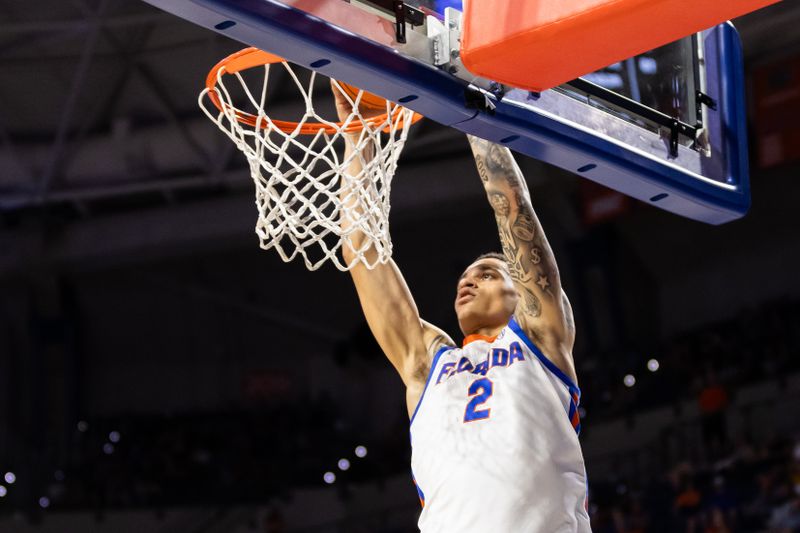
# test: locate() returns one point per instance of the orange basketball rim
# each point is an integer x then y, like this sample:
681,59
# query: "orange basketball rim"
253,57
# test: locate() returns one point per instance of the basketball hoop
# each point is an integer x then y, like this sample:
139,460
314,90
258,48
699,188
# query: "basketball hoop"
304,191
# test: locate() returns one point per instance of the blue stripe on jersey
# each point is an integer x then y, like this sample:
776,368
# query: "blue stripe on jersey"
436,357
419,490
551,366
574,418
572,408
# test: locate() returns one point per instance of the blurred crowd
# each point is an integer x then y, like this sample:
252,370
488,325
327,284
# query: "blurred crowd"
743,483
219,458
751,488
760,343
734,484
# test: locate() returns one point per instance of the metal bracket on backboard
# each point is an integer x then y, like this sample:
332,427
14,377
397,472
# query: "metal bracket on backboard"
412,41
452,20
706,100
675,126
398,9
701,141
674,134
399,20
439,40
439,45
445,39
474,98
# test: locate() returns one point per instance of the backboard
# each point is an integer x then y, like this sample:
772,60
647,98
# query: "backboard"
666,127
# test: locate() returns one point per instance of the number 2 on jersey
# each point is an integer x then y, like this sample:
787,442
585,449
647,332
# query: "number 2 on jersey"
482,390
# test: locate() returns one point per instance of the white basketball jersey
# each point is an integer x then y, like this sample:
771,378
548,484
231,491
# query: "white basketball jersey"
494,441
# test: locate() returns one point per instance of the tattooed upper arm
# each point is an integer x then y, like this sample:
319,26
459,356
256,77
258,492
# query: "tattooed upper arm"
528,254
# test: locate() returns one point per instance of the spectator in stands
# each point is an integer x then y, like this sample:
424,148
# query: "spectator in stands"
688,503
722,507
713,401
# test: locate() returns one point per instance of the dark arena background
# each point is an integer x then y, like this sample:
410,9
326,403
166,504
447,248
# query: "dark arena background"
159,373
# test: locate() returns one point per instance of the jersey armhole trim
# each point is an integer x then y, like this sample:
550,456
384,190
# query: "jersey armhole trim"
419,490
548,364
436,357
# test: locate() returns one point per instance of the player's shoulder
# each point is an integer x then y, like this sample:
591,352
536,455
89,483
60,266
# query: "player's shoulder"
546,343
419,365
434,339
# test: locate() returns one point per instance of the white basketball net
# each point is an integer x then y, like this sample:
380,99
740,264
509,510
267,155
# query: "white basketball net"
310,202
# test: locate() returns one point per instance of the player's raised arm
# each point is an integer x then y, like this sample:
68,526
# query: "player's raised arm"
543,310
388,306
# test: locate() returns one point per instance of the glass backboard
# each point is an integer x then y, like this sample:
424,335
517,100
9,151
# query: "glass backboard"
666,127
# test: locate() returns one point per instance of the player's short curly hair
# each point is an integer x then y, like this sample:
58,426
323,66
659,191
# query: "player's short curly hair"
492,255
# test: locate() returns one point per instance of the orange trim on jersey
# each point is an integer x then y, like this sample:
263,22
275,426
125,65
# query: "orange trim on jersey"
476,337
576,419
419,492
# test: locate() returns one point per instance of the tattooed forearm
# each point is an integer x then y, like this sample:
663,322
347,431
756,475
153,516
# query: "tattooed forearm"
482,169
524,227
519,241
543,282
497,166
532,304
500,204
514,254
497,157
528,255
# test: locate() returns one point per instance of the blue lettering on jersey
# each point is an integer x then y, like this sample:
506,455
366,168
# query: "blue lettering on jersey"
446,368
495,358
464,365
481,368
516,353
499,357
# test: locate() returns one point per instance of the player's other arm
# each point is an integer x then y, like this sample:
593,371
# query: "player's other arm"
392,315
390,310
544,310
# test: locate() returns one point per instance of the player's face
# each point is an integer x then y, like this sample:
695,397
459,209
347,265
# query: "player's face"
485,296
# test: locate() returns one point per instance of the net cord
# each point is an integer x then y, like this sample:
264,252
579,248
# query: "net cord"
304,192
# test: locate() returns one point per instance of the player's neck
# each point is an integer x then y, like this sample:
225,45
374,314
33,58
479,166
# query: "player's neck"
485,331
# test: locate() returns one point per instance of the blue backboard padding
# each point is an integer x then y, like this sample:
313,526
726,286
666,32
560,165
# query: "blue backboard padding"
734,106
522,123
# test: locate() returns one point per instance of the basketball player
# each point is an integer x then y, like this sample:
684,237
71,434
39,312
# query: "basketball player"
494,422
